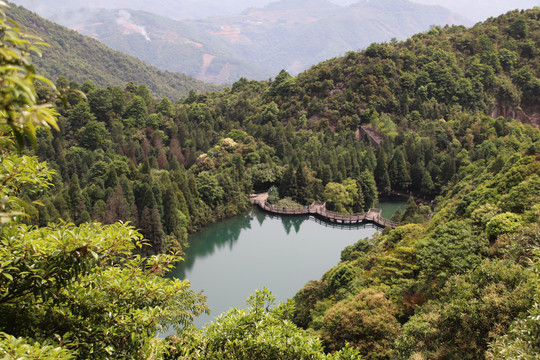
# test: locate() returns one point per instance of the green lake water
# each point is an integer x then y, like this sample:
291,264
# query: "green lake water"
230,259
390,206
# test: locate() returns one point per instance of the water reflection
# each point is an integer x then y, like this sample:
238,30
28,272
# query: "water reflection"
260,216
295,221
205,243
281,253
288,221
364,225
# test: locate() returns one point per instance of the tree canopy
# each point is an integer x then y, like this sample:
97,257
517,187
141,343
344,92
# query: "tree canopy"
430,117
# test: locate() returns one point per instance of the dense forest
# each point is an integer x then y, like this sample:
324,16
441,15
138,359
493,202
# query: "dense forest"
449,115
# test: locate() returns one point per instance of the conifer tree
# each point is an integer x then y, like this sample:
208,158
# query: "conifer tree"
426,186
448,169
118,100
76,201
398,172
80,115
117,208
288,185
381,174
303,194
369,189
358,201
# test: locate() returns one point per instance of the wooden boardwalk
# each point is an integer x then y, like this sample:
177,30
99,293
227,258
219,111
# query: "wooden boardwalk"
319,210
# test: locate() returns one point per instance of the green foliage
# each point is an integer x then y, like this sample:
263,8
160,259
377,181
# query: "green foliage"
366,321
209,188
523,196
414,214
54,277
369,189
399,173
340,277
381,174
71,291
19,105
287,203
273,195
521,341
258,332
353,251
455,291
20,175
137,109
270,114
337,197
503,224
237,135
93,135
305,300
178,167
263,175
18,348
518,28
474,309
452,248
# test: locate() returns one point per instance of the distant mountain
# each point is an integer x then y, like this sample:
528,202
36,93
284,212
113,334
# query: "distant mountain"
474,10
480,10
174,9
171,45
80,58
296,34
259,42
301,4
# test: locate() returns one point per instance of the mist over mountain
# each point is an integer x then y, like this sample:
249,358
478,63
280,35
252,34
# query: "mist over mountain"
80,58
258,42
172,45
474,10
174,9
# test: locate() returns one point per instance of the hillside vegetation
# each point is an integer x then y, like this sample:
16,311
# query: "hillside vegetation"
431,116
81,58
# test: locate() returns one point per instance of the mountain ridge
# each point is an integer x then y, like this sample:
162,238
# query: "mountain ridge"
80,58
260,41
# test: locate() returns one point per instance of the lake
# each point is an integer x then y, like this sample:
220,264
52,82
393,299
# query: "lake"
232,258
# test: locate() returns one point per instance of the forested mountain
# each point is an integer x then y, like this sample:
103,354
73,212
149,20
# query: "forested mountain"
81,58
168,44
449,115
259,42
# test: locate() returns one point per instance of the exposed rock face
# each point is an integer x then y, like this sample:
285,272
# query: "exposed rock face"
374,136
530,115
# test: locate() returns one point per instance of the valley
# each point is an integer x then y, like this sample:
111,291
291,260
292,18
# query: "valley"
106,185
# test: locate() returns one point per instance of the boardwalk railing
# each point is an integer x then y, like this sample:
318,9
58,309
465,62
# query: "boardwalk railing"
281,210
319,210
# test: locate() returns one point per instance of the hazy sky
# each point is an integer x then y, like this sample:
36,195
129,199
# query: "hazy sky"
474,10
480,10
